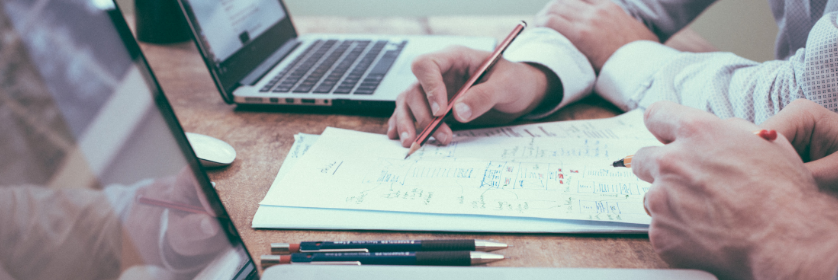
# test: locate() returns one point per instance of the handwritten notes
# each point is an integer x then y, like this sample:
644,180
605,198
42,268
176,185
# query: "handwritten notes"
548,170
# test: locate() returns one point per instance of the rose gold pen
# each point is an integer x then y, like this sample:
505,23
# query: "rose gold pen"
484,68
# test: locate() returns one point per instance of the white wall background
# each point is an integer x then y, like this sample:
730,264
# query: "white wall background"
744,27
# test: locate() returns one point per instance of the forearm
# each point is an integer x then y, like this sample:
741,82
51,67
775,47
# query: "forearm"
641,73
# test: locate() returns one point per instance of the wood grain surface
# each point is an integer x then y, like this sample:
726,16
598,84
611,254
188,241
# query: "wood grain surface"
263,139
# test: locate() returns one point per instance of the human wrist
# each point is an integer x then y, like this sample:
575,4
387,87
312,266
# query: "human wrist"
811,253
548,89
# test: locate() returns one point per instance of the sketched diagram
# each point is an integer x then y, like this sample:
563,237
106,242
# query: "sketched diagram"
522,175
500,187
417,173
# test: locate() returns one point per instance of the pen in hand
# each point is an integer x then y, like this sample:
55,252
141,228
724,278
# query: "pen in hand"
482,70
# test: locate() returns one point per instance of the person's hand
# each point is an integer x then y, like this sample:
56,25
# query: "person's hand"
177,240
508,91
729,202
596,27
813,131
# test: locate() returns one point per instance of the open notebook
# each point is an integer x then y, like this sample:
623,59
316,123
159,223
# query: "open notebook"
545,177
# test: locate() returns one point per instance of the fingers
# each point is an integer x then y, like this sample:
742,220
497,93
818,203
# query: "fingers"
402,120
412,113
431,71
421,114
645,165
478,100
795,122
823,170
443,134
428,72
556,15
811,128
667,120
194,234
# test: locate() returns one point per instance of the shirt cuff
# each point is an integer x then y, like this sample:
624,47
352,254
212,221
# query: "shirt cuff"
627,74
546,47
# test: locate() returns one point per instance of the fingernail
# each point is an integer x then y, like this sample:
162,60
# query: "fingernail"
463,111
646,206
442,138
389,129
434,108
404,136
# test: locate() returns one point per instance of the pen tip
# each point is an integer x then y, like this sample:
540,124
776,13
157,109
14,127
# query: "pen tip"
484,258
619,163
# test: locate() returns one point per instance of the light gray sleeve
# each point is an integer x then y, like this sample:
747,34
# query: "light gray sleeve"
642,73
664,17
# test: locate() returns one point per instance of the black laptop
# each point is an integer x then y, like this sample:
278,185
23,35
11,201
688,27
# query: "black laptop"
255,56
97,179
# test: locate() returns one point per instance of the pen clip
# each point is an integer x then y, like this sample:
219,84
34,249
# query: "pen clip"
349,250
334,263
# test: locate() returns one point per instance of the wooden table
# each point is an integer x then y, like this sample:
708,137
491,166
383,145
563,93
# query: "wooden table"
263,139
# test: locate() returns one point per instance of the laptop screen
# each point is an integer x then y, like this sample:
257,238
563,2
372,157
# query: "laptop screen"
97,180
234,23
235,37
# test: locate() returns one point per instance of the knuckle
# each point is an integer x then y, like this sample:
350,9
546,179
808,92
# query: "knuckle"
480,96
668,162
554,6
655,199
552,21
693,126
420,63
400,99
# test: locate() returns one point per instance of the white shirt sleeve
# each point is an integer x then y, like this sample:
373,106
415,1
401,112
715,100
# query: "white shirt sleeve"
546,47
643,72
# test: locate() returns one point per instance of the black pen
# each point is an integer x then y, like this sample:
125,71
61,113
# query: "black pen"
386,246
455,258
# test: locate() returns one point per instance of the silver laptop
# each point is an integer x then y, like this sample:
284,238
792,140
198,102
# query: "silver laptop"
255,56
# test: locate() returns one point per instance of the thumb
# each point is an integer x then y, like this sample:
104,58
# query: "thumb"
475,102
195,234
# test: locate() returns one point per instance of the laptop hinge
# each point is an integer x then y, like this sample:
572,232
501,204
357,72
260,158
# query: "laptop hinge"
270,62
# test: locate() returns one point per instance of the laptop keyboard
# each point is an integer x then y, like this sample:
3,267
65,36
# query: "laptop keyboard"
337,67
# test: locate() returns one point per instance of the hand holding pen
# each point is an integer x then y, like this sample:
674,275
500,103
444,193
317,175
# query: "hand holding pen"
510,90
482,70
715,185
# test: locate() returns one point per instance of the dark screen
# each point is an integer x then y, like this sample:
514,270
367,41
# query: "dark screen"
97,180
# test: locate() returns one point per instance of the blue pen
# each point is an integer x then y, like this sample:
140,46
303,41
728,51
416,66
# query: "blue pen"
456,258
386,246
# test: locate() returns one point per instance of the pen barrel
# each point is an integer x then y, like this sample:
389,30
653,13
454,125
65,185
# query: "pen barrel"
448,245
451,258
392,245
454,258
